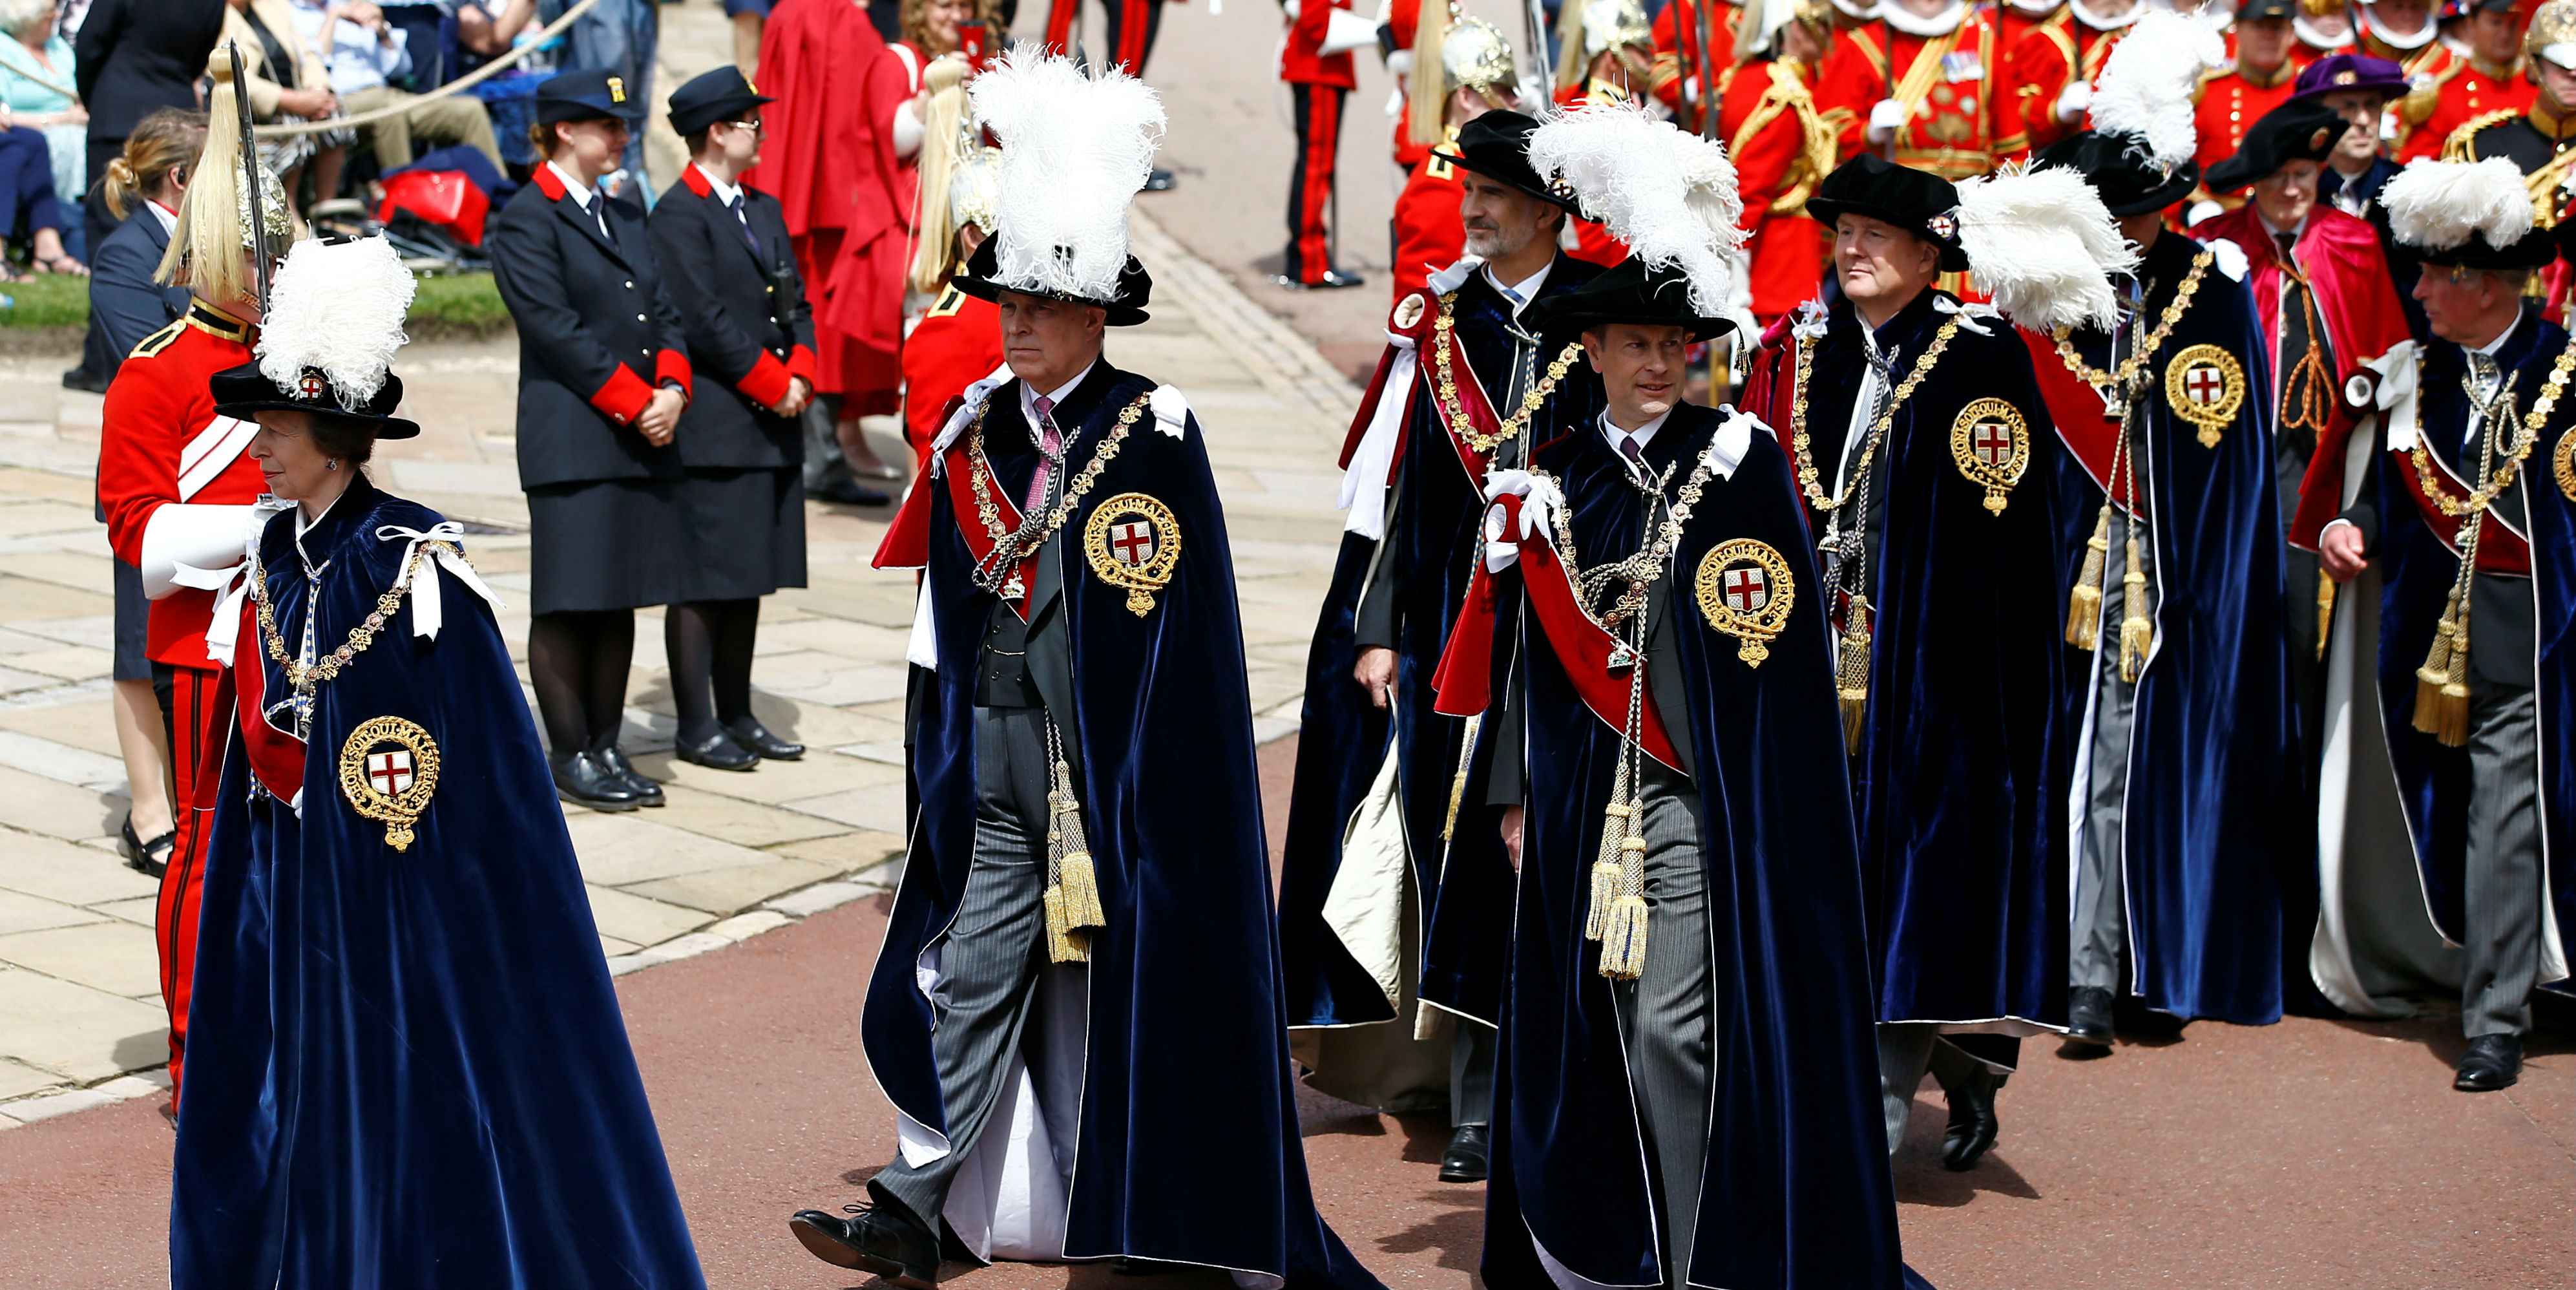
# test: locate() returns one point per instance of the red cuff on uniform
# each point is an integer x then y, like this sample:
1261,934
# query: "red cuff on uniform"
672,365
623,397
768,381
800,362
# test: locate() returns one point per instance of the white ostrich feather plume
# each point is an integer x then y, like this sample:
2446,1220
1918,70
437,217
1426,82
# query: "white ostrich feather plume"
2044,245
2438,204
338,307
1075,150
1670,195
2146,87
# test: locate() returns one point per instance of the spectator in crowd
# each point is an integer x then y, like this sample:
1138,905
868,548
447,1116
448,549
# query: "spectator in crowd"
141,188
27,200
36,88
286,78
363,52
485,32
134,56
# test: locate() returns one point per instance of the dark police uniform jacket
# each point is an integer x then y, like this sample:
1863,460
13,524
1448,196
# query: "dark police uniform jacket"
749,328
597,334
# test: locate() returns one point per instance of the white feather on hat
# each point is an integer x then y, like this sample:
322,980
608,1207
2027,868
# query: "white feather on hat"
338,307
2146,87
1668,194
1075,150
2043,244
2438,204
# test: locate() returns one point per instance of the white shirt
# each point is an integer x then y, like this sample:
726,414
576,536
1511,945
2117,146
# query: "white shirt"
1641,436
1055,397
1524,291
580,193
168,217
729,194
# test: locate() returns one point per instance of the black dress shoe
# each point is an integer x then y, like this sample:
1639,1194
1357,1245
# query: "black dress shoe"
1972,1123
752,735
1333,280
717,751
846,491
613,760
1158,180
2493,1062
882,1237
81,378
582,781
2088,1015
1469,1147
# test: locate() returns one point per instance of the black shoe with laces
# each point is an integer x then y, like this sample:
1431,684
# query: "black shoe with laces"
2088,1015
582,781
880,1236
613,760
2493,1062
1470,1147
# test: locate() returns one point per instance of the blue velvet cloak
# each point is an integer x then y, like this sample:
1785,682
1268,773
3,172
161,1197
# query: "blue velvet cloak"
1187,1149
1956,785
407,1068
2221,881
1796,1191
1436,504
2416,570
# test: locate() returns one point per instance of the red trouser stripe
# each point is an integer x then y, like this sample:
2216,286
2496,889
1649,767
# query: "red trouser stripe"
1310,183
1060,16
196,730
1131,32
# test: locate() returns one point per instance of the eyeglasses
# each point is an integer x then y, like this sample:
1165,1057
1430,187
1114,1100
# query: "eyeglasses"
753,125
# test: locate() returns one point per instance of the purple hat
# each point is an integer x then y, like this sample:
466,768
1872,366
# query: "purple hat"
2352,73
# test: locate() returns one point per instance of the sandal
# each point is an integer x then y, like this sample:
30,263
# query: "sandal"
151,859
53,264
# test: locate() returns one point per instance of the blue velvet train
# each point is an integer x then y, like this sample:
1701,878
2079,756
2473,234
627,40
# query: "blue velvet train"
406,1068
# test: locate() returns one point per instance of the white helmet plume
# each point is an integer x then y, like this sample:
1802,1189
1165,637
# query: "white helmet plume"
1668,194
1075,150
2146,87
2438,204
337,307
2044,245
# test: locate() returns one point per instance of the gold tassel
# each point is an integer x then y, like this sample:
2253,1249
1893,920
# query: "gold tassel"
1064,944
2084,604
1605,866
1851,681
2325,608
1081,892
1458,782
2137,632
2441,685
1623,951
1073,889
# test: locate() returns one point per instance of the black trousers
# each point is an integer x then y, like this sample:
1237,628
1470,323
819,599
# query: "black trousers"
1318,109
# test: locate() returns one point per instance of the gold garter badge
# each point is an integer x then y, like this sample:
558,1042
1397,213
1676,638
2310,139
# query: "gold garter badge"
2562,464
1133,542
388,769
2205,385
1745,591
1991,443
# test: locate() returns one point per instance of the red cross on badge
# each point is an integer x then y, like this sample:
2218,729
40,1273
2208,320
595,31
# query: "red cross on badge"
2204,385
1747,590
1132,542
1992,441
390,772
311,387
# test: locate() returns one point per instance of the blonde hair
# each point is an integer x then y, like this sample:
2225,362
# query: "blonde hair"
914,20
205,253
1429,86
943,128
164,142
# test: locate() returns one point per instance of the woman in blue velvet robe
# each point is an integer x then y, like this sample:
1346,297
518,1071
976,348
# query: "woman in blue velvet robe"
407,1066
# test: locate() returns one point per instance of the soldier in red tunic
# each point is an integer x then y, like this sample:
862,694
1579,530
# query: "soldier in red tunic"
1781,147
2403,32
959,341
2495,86
1682,67
2052,65
1316,65
1919,84
178,489
2268,60
1471,74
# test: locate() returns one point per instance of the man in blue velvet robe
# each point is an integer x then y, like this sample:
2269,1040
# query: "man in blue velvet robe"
1922,446
1393,889
1686,1093
2183,755
2477,426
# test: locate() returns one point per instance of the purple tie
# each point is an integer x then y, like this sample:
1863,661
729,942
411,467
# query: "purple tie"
1051,444
1636,456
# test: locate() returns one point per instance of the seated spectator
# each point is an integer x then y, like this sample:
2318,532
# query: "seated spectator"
27,201
486,31
285,77
37,89
363,51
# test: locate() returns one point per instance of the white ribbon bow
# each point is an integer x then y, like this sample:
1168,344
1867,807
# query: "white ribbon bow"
427,615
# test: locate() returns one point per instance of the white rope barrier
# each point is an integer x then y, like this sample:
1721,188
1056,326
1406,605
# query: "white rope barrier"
457,86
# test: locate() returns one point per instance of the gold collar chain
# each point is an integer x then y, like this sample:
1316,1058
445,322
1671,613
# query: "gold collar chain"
305,676
2526,430
1445,385
1798,443
2116,386
1000,566
1642,568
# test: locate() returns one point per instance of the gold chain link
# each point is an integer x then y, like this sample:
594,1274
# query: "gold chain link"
1807,480
1445,386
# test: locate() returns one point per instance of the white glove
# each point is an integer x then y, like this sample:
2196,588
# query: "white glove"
2200,211
2071,101
1540,503
1883,120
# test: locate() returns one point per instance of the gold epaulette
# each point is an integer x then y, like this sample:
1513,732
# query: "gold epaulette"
158,341
2460,146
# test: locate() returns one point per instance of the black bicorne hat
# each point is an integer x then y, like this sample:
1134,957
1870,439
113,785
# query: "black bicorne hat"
1135,286
2122,169
1628,292
714,96
246,391
583,95
1496,145
2533,250
2299,130
1918,201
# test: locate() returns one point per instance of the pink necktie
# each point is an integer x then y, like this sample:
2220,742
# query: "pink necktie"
1051,444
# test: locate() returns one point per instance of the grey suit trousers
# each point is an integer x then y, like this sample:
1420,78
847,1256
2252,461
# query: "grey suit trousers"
2101,931
1471,1073
1664,1015
2501,888
990,957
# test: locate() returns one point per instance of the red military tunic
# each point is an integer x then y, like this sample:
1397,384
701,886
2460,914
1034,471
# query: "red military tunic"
1428,234
2051,55
2429,68
956,344
1676,80
1401,17
1781,149
2477,91
1948,82
2230,104
160,442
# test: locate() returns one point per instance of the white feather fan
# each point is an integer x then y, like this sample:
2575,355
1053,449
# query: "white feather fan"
338,307
1670,195
1075,150
2147,85
2438,204
2044,245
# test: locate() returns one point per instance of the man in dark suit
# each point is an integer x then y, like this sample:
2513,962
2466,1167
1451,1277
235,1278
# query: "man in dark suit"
134,56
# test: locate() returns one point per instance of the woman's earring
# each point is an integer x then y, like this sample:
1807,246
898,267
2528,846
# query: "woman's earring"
333,464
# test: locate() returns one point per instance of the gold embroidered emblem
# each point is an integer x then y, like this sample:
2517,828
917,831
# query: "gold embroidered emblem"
616,89
1134,542
2205,385
1991,443
2562,464
1745,591
388,769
